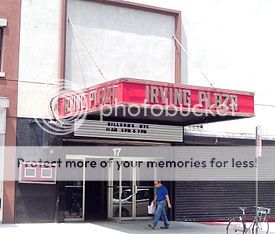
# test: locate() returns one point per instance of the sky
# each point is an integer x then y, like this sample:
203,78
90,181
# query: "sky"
233,43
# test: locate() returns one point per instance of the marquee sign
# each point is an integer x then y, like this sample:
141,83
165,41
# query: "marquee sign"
133,131
152,94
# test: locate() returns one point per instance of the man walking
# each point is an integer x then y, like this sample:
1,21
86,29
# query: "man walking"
161,198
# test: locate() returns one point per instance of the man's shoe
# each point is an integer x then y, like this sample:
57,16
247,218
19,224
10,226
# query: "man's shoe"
151,226
165,227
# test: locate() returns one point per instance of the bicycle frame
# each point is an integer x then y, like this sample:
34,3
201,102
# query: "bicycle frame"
255,224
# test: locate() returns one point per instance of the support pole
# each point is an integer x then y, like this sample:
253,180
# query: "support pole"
257,192
258,154
120,193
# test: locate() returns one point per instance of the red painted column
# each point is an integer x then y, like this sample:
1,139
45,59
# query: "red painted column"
10,10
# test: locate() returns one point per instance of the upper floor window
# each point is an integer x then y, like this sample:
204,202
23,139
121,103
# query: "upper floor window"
3,24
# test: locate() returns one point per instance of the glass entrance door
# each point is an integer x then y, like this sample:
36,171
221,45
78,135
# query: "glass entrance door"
128,197
120,193
144,193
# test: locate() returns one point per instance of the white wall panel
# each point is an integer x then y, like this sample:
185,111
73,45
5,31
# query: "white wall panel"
35,100
124,43
39,55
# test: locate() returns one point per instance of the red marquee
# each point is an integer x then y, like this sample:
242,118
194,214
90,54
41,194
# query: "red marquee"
157,95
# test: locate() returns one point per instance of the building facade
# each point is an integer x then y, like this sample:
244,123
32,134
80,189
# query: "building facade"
51,46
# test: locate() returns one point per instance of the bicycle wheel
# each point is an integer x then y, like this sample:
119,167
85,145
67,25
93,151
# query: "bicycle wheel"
263,227
235,226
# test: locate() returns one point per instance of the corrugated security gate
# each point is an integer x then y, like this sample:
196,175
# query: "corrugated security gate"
217,200
210,200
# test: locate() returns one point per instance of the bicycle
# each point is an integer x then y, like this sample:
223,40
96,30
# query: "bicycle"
238,225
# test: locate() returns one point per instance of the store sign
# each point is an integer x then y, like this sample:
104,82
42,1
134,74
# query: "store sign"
132,131
151,94
87,100
183,97
37,173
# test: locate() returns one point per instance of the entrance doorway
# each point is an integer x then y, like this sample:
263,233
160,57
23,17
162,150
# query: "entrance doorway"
127,194
128,198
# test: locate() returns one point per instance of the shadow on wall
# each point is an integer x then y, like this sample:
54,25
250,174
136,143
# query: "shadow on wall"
184,57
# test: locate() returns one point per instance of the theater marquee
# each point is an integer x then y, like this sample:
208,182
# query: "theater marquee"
157,95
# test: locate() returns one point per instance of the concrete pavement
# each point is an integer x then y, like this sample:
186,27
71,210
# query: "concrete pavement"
175,227
108,227
112,227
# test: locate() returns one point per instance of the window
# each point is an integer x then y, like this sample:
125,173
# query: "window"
46,173
3,23
30,172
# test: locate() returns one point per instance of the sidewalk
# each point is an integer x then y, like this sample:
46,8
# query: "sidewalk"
112,227
63,228
108,227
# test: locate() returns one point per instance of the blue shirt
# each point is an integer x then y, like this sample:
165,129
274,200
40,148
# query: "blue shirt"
161,193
